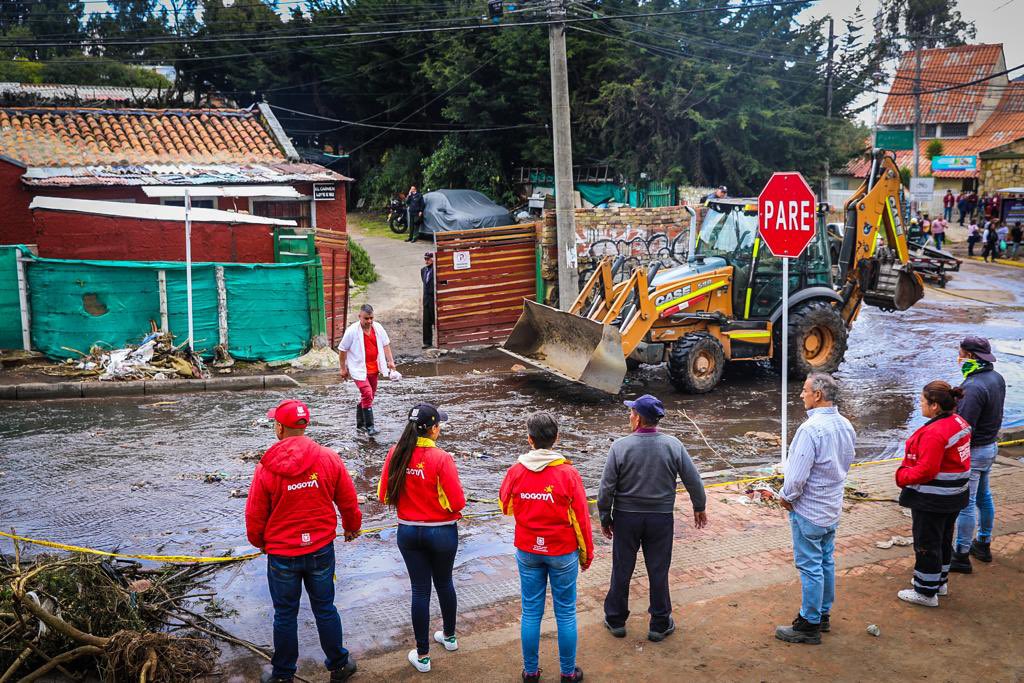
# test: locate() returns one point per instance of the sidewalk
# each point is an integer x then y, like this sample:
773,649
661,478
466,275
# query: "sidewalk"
733,582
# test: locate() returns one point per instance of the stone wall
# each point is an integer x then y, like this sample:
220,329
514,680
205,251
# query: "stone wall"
1002,167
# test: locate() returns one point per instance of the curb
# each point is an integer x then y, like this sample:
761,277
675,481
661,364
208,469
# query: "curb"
36,391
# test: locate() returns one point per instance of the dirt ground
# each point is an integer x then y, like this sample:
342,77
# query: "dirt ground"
728,636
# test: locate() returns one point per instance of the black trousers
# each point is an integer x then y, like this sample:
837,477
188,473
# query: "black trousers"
651,531
933,549
415,225
428,322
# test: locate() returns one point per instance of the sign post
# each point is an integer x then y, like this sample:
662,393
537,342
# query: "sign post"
786,223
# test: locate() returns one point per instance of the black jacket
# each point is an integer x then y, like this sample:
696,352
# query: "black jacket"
415,203
427,279
982,404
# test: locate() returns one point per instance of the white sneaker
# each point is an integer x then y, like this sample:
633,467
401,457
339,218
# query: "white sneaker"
422,664
450,644
912,596
943,590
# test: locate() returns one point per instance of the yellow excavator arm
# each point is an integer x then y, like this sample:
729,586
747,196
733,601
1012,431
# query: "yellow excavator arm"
871,271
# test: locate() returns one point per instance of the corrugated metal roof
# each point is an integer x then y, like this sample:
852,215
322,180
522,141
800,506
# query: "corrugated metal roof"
58,93
179,174
1005,125
151,212
941,67
68,136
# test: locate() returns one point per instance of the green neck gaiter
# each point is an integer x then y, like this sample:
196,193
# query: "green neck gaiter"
970,366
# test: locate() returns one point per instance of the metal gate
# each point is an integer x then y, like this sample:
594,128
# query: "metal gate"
332,247
482,278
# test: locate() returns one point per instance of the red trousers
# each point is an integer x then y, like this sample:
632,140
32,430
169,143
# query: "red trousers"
367,389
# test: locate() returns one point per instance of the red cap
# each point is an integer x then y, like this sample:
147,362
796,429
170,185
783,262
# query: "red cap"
290,413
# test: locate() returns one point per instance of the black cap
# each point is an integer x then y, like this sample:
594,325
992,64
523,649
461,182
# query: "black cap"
979,346
428,254
426,415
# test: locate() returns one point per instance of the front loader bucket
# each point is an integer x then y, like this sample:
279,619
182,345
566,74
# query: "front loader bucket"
568,345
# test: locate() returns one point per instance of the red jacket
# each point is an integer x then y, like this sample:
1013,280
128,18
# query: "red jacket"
936,468
549,506
432,493
290,509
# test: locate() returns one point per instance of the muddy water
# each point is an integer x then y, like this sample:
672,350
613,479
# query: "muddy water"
130,474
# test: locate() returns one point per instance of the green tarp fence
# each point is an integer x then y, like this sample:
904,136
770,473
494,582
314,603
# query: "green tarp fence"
10,306
77,304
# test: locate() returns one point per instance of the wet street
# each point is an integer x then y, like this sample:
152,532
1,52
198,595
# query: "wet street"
164,474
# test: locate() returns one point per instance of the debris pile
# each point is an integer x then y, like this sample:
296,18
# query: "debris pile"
74,614
155,358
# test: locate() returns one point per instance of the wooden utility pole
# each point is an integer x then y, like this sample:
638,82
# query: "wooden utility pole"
828,101
917,109
568,275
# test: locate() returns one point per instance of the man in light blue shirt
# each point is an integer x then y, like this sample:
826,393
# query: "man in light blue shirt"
819,458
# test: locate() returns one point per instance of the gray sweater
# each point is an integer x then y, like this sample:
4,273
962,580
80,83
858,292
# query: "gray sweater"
640,476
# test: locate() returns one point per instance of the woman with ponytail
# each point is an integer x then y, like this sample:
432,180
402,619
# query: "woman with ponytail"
934,475
421,482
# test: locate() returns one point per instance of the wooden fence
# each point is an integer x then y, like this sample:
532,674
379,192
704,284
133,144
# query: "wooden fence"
482,278
332,247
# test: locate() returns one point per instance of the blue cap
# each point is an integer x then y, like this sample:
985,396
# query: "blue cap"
647,406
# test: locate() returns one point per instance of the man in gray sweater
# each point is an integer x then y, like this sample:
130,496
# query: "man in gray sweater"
635,501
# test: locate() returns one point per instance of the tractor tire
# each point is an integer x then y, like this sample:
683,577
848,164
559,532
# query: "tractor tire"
696,363
817,339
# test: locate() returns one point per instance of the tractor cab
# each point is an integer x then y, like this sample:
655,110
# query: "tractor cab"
728,236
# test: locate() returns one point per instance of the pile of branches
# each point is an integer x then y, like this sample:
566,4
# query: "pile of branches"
78,616
155,357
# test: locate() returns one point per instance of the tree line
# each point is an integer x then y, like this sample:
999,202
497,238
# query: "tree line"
681,94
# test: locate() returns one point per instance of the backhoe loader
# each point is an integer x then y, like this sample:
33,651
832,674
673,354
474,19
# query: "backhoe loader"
724,304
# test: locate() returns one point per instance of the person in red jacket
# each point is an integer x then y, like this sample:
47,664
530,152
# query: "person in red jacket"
421,482
290,515
934,475
544,493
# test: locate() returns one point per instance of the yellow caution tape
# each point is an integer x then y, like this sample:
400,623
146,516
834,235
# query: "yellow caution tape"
155,558
1015,442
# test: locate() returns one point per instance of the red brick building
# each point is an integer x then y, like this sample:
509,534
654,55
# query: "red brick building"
231,160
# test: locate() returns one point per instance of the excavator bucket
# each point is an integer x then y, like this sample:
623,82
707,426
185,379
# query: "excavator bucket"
892,287
568,345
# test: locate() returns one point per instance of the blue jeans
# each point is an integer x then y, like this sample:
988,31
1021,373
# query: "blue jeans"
286,576
535,571
813,547
429,554
982,458
938,239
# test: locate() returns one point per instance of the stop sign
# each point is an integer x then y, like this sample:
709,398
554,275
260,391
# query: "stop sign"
785,214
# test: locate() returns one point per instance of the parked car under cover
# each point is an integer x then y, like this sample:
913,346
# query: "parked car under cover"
462,210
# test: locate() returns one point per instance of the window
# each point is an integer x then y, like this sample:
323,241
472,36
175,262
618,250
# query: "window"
297,211
196,203
929,130
954,130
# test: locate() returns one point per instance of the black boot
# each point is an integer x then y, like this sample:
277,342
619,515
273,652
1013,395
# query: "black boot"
961,563
802,631
981,551
368,417
360,419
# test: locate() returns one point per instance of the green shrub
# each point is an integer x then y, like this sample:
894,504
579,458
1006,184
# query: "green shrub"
361,268
81,70
399,168
934,149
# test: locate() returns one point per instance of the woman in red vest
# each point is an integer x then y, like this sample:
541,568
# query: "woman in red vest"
421,482
934,475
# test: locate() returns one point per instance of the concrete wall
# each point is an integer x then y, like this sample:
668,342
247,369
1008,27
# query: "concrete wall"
64,235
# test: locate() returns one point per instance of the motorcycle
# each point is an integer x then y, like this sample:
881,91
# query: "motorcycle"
397,216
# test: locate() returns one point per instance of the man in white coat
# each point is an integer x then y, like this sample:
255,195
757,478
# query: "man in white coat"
362,347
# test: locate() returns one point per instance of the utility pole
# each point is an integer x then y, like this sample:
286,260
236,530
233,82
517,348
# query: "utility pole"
565,217
828,100
917,108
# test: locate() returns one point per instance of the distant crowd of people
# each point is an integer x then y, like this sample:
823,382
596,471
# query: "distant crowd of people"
299,487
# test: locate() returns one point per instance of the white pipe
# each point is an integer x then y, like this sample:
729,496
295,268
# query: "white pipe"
188,267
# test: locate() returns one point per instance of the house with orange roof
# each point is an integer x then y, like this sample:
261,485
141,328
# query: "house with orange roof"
967,121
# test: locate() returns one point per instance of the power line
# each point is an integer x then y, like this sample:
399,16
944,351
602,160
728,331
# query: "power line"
394,126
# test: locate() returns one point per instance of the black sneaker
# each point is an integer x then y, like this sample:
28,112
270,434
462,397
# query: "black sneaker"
617,631
981,551
658,636
531,678
574,677
268,678
802,631
344,673
825,626
961,563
